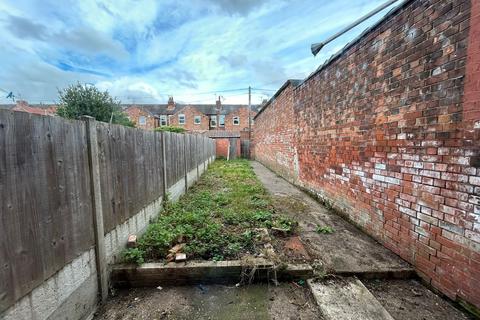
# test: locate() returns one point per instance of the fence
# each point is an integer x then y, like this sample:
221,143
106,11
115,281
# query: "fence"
69,186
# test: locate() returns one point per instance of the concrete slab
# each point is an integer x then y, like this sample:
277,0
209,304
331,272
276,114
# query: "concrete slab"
346,298
347,250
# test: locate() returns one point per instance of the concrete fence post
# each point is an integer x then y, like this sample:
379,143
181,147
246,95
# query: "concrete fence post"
164,165
197,164
185,139
96,192
204,152
212,150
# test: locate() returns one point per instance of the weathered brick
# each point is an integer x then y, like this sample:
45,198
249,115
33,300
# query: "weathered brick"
409,122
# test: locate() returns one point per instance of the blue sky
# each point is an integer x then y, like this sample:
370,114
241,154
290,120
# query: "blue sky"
142,51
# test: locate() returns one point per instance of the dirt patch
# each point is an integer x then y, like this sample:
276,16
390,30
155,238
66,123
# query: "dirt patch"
290,250
286,301
289,204
409,299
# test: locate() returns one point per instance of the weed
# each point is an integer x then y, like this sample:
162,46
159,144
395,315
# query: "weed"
285,223
214,219
134,255
325,229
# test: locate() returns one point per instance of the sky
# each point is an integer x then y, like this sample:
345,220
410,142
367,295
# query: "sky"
143,51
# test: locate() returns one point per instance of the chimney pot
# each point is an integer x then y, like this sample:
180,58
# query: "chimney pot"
171,103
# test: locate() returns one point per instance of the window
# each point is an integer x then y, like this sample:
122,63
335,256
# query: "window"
213,121
181,119
163,120
236,121
197,119
142,120
221,120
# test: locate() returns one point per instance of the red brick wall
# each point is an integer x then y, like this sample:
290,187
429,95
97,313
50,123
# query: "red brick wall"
388,133
134,113
274,140
243,114
222,145
190,113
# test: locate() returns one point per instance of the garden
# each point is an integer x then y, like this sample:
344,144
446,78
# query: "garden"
226,215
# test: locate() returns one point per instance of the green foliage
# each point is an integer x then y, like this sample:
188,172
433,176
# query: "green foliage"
285,223
134,255
324,229
82,100
171,129
216,218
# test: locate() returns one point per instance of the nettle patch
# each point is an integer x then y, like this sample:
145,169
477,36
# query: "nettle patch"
218,219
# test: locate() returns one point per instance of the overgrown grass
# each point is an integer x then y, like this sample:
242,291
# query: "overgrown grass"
215,219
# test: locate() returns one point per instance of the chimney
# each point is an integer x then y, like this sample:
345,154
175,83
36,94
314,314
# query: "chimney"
171,104
21,104
218,104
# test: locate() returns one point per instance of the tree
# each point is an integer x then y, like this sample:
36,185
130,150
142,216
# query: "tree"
84,100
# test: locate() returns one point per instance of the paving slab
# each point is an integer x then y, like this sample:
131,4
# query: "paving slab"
347,250
346,299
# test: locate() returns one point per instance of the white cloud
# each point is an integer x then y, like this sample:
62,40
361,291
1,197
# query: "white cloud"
131,89
146,50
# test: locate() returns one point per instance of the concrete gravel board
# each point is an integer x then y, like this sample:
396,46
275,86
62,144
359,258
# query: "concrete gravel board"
347,298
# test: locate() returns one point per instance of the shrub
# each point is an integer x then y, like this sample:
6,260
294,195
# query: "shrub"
82,100
170,129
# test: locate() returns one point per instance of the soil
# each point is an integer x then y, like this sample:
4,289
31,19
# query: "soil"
409,299
258,301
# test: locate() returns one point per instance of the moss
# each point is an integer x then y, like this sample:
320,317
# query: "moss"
470,308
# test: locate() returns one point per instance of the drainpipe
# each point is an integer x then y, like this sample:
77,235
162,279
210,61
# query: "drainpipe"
316,47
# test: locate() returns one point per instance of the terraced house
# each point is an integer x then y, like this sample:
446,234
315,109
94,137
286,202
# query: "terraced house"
198,118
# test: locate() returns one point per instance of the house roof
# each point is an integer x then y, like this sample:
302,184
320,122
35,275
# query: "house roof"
162,109
154,109
222,134
41,109
139,107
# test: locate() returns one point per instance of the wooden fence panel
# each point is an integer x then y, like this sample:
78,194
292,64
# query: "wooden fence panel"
245,148
45,200
198,149
131,172
191,156
175,157
46,212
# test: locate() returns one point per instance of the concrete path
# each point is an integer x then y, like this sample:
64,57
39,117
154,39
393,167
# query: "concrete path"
345,251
